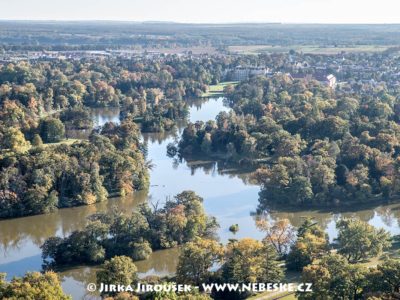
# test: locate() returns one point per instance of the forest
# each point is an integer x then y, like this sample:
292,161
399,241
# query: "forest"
42,170
307,144
312,146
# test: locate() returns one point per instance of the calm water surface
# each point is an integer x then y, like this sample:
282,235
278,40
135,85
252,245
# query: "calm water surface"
227,194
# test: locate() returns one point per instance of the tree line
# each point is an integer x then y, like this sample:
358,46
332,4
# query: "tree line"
334,270
312,145
42,178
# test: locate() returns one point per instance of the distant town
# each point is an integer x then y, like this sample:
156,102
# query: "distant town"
342,69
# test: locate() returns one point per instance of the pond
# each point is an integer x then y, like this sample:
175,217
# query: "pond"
228,195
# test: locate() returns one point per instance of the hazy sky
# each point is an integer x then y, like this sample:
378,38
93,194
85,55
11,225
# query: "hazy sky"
215,11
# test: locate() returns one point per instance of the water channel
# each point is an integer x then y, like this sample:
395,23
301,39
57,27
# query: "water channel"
228,195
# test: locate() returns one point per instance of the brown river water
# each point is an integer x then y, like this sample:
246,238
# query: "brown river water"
228,195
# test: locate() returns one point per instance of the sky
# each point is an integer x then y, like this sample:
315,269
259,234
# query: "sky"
206,11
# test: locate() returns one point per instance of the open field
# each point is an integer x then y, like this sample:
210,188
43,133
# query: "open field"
258,49
218,89
65,142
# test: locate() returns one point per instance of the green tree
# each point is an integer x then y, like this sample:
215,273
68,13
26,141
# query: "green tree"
234,228
334,278
14,140
185,217
384,280
37,141
357,240
390,270
34,286
118,270
249,260
52,130
140,250
196,259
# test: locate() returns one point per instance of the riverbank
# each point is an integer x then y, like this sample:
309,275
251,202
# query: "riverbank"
228,195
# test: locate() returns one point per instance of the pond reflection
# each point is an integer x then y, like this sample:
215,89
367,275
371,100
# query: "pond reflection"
229,195
383,216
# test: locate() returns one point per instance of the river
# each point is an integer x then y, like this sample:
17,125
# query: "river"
228,195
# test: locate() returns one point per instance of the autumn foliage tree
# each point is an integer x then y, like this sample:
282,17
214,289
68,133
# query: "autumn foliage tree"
250,261
196,260
311,243
34,285
280,233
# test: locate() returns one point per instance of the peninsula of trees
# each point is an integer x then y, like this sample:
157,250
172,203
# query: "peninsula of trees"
312,145
42,170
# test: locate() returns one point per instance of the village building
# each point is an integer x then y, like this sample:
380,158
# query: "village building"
324,78
241,73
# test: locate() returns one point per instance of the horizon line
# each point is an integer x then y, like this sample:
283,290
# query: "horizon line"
194,23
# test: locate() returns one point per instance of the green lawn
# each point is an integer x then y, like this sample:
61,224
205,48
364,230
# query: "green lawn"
65,142
313,49
217,89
